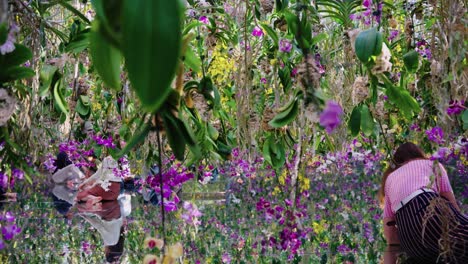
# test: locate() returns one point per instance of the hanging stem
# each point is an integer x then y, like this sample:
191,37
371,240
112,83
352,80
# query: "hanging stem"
161,181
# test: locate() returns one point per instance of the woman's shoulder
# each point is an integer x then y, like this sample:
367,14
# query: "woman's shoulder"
414,164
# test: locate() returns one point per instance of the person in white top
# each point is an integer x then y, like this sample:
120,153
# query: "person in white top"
103,185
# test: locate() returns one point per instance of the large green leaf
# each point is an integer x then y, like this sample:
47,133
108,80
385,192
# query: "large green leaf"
79,42
175,134
411,60
286,115
465,119
367,122
15,73
59,100
354,123
151,45
271,33
45,78
106,58
3,33
403,100
368,43
20,55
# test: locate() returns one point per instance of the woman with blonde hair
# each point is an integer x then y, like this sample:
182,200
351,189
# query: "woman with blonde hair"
421,216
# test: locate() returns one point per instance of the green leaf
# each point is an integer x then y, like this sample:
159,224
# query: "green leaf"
20,55
292,21
368,43
151,45
85,100
3,33
285,78
367,122
137,138
271,33
354,123
16,73
74,11
45,78
403,100
191,60
82,109
106,58
79,43
59,100
175,135
286,115
411,60
465,119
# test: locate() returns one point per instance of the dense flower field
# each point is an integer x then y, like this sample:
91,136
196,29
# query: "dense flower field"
243,131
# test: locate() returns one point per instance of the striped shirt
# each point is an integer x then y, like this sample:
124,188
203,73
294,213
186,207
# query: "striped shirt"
410,177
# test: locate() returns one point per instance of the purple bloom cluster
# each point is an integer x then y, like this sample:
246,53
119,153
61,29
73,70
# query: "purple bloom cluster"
330,118
8,227
436,135
8,181
456,107
372,12
257,32
285,45
191,214
173,179
423,48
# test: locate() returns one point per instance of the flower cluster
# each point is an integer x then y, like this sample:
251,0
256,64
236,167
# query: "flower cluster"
456,107
191,214
436,135
8,227
330,118
173,179
9,45
7,180
370,13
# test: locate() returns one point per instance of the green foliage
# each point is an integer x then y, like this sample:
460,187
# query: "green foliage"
106,58
339,10
403,100
273,152
286,114
368,43
151,43
361,120
411,60
9,63
465,119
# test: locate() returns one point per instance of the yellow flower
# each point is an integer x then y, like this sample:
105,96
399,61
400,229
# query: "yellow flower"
319,227
175,250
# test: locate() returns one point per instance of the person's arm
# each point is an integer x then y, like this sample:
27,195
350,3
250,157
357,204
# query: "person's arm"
449,196
393,241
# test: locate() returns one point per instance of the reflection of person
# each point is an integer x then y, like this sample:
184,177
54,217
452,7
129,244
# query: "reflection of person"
102,185
66,178
108,217
410,223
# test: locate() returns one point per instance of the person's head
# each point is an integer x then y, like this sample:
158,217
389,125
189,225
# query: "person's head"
114,253
61,161
404,153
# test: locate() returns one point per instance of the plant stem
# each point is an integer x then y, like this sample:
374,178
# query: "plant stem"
161,182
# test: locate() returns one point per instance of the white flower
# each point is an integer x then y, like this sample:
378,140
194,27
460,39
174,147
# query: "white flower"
382,62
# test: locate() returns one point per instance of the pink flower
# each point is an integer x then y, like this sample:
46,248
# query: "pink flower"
285,45
257,32
330,118
204,20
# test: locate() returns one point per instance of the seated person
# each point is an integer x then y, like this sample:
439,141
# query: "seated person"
103,185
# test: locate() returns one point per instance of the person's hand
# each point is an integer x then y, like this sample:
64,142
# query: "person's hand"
11,197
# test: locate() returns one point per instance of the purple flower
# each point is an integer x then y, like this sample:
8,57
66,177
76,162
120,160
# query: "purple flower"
331,116
226,258
257,32
19,174
436,135
9,45
2,244
9,217
393,34
285,45
367,3
263,80
204,20
10,231
3,180
455,107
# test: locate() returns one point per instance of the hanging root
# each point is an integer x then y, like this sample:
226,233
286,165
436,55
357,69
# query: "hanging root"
439,208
